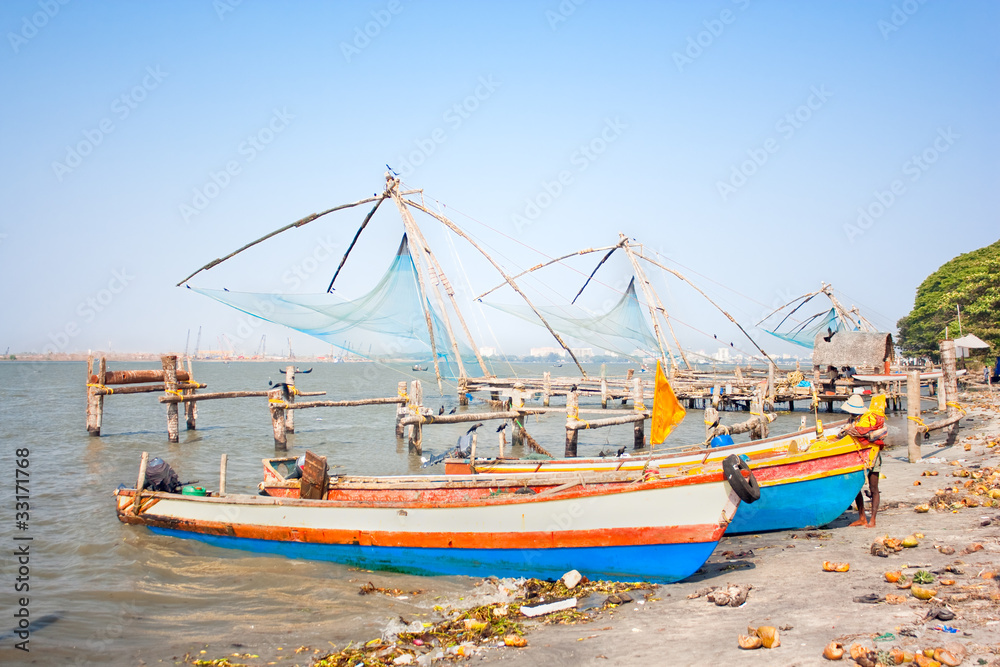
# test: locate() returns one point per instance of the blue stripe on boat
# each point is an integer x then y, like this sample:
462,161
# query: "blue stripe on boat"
814,502
663,563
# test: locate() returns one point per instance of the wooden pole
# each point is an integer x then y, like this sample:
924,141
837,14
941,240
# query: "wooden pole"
502,433
546,388
276,403
169,362
651,306
517,403
140,483
604,393
401,408
639,428
572,410
290,398
913,414
772,390
941,395
95,399
950,382
222,475
416,429
191,407
463,390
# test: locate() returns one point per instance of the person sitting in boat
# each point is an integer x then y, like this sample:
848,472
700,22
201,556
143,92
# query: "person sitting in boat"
870,425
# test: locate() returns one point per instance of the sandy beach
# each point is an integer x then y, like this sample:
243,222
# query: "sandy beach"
812,607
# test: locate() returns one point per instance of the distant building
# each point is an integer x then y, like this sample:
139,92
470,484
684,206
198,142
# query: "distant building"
583,352
547,351
488,351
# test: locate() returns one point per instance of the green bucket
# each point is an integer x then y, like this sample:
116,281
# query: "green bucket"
193,491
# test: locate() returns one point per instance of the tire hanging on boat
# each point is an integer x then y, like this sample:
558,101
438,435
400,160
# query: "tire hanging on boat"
745,487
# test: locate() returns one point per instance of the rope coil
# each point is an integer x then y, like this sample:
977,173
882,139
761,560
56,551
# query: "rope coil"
101,386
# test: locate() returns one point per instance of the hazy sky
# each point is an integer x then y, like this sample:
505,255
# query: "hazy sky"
761,147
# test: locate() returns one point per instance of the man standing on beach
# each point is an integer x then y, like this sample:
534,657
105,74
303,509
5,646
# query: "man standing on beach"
870,425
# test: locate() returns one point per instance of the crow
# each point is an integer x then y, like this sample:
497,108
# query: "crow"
441,410
453,410
473,429
573,388
502,427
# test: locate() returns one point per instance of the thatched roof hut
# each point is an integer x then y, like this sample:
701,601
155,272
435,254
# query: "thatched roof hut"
852,348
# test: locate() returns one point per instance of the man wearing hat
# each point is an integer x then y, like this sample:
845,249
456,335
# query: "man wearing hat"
870,425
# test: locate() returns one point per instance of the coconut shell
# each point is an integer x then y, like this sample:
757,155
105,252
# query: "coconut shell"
946,657
922,509
515,640
910,541
768,636
922,593
834,651
893,577
750,642
894,599
829,566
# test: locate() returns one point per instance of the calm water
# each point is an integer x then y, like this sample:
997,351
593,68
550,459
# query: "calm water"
126,596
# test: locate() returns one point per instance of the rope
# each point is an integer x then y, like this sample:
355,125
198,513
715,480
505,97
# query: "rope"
276,400
919,421
178,392
639,406
101,386
952,404
575,416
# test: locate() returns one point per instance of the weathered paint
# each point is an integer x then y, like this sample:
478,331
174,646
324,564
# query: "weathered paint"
604,528
812,502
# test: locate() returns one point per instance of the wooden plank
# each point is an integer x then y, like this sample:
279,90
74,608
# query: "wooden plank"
131,377
315,477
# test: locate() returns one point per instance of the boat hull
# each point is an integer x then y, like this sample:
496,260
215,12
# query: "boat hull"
793,505
662,563
634,528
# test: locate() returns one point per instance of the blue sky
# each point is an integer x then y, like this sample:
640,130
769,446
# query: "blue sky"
742,140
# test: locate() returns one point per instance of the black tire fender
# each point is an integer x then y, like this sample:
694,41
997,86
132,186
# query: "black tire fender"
745,487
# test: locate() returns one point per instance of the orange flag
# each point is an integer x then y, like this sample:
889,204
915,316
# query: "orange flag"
667,410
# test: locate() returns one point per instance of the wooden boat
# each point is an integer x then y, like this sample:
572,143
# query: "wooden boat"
629,526
804,480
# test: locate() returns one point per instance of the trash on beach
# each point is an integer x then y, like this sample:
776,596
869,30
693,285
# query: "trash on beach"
910,541
922,593
730,595
829,566
893,577
765,635
549,608
834,651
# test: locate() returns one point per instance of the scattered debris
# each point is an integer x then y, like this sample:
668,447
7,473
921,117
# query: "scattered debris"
731,595
829,566
370,588
765,635
549,608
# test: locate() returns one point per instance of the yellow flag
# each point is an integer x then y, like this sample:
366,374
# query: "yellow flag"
667,410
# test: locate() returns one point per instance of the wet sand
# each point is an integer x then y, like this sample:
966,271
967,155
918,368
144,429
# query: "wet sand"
791,590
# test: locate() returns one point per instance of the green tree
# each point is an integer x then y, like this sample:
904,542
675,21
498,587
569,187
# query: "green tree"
971,282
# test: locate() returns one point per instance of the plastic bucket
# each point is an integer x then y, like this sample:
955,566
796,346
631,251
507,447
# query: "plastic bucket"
192,491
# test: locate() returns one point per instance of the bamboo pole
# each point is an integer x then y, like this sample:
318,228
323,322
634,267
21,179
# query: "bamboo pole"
173,398
422,284
604,393
364,224
941,395
645,287
222,475
170,389
427,420
510,281
517,403
140,483
277,408
391,400
913,415
298,223
463,390
434,267
941,423
578,425
139,376
289,398
546,388
147,389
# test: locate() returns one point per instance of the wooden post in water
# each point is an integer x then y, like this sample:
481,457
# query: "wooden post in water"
572,413
913,436
290,398
95,401
715,395
141,482
772,390
191,407
639,428
169,362
222,474
503,440
276,402
546,388
401,409
604,393
463,390
517,402
416,430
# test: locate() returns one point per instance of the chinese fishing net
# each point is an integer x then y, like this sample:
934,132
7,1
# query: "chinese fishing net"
386,323
805,333
622,330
